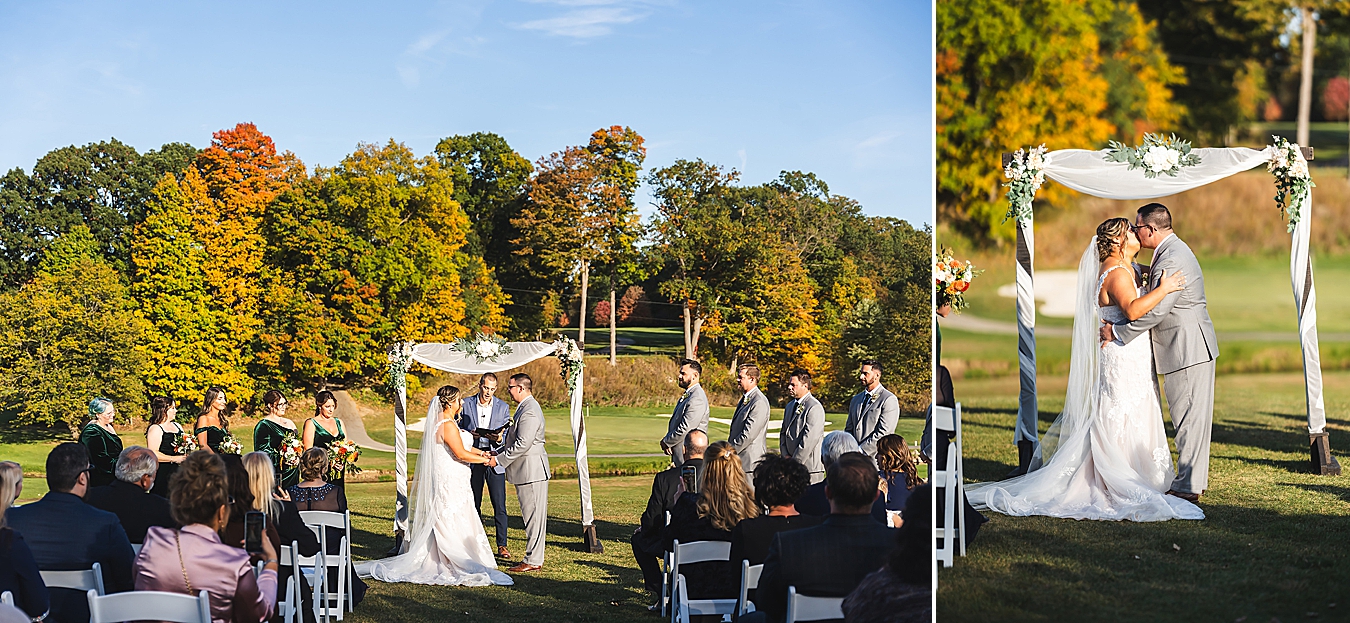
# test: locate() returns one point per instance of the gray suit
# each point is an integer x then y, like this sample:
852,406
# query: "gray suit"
802,433
691,413
749,429
526,466
1184,350
877,420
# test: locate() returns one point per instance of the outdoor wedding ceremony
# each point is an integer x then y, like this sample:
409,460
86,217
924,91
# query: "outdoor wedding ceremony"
544,310
1138,403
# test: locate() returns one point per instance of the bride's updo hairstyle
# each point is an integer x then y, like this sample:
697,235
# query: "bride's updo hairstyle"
448,395
1108,236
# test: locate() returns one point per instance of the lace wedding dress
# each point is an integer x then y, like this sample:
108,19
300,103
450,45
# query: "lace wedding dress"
448,545
1106,456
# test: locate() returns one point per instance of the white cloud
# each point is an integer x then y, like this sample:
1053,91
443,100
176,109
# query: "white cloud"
585,19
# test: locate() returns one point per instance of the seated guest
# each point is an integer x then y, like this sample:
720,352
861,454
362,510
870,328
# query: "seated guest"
192,558
723,500
241,502
778,483
129,497
282,514
899,474
314,494
18,571
814,502
666,488
901,591
65,534
828,560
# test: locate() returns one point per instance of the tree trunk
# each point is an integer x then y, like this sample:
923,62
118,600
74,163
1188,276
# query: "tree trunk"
1305,80
693,337
613,336
585,281
735,363
688,349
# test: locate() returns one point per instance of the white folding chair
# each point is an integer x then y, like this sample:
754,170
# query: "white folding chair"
313,570
7,598
749,581
289,608
951,538
150,606
688,553
803,608
90,580
319,521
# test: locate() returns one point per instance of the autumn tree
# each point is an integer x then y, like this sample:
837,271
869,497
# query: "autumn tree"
68,335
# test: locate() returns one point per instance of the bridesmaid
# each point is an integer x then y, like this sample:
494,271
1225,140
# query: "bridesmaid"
164,433
269,432
212,425
102,442
317,428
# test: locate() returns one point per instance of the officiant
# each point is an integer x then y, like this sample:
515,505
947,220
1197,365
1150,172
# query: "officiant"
486,417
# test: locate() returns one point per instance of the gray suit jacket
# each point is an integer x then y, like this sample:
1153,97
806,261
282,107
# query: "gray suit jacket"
1183,334
876,422
690,413
801,434
523,455
750,428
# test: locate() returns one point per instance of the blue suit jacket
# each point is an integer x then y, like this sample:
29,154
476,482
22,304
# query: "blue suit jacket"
468,416
65,534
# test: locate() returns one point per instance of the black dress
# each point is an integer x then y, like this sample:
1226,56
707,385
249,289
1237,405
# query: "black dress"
705,580
104,447
333,498
167,441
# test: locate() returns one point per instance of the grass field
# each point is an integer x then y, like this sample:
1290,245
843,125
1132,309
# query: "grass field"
1272,546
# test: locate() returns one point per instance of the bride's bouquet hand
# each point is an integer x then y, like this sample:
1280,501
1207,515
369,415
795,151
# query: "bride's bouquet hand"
1174,282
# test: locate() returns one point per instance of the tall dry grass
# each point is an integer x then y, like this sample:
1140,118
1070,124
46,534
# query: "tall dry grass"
1235,216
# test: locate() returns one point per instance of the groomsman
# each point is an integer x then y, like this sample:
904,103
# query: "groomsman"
803,426
872,413
691,412
750,424
486,411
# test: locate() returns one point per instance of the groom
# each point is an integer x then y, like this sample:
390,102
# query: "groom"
1184,347
527,468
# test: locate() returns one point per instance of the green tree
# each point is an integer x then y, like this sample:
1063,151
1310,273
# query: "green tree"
68,335
617,153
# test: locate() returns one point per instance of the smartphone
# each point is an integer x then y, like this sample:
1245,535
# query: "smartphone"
690,475
255,523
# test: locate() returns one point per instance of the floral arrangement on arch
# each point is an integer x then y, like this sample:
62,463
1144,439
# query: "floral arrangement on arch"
952,278
1292,180
1025,174
342,456
1159,155
400,358
290,451
570,360
230,445
482,347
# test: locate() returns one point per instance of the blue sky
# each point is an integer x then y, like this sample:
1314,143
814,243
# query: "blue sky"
842,88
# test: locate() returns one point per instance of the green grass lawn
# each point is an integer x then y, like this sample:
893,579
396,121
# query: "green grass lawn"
1272,546
633,340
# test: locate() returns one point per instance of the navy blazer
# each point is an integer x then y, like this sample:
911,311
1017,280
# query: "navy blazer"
814,502
829,560
19,575
65,534
468,416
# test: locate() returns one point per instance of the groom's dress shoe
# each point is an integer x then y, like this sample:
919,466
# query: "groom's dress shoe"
502,552
523,567
1189,497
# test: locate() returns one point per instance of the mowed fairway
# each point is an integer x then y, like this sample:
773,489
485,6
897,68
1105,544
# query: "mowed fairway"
1271,548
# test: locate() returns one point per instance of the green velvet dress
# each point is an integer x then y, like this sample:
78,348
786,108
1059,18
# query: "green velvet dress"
267,437
323,439
104,447
168,439
214,435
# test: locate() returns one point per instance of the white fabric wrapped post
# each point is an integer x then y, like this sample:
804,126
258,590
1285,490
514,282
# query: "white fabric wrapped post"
1027,408
401,463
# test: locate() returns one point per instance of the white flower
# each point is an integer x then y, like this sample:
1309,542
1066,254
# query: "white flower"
487,349
1036,161
1160,159
1299,170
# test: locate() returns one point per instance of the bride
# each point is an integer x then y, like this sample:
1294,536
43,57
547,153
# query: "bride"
1106,455
448,545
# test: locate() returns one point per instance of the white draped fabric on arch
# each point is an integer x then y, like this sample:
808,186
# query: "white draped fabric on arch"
453,358
1092,173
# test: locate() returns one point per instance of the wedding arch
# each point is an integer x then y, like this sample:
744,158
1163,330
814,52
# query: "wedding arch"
479,355
1166,166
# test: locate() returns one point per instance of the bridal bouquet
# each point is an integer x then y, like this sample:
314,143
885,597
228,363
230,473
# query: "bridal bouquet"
1158,155
1292,181
570,360
482,347
1025,177
230,445
953,279
342,456
187,444
290,451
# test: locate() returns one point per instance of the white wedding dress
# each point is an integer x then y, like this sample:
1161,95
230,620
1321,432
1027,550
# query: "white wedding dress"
1106,456
447,545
